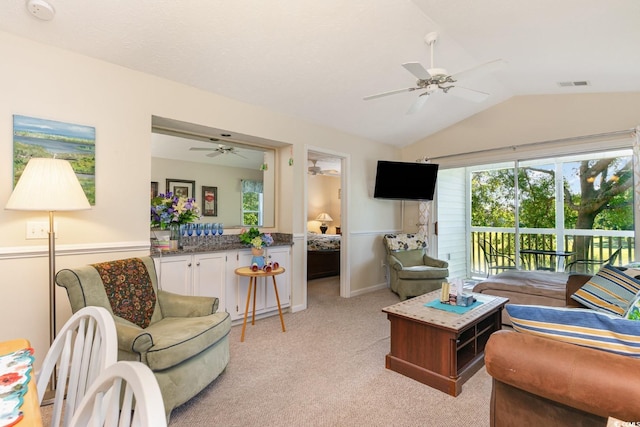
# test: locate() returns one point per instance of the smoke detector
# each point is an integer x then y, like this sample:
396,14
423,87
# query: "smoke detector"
40,9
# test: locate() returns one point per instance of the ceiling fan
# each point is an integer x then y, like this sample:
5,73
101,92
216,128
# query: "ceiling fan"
434,80
317,170
220,149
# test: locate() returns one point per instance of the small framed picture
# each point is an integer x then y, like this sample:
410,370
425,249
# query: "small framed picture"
154,189
181,187
209,201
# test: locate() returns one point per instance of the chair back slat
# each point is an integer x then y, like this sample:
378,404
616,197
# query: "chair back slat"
86,345
125,394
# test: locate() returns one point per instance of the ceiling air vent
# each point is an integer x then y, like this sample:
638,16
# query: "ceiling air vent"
577,83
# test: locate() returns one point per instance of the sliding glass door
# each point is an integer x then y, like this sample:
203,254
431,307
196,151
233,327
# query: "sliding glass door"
548,214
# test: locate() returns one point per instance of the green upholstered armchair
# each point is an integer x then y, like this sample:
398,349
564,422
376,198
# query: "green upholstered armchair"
411,271
183,339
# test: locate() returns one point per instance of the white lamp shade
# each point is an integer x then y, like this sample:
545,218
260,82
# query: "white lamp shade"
48,185
324,217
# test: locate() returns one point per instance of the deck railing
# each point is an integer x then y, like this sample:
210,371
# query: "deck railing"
600,248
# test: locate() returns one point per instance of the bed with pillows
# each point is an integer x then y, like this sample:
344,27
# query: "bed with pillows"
323,255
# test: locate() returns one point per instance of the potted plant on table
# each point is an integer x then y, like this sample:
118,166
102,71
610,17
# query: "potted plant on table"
257,241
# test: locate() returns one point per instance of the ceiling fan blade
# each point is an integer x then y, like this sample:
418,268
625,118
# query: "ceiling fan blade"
201,149
480,70
391,92
419,103
214,154
417,70
468,94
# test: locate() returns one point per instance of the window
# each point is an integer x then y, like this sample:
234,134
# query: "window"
582,204
252,203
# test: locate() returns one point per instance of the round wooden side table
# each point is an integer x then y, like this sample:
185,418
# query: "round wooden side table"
253,283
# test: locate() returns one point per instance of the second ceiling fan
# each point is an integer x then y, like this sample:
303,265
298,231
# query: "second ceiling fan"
434,80
220,149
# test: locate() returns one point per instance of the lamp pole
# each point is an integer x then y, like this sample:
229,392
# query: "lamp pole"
52,281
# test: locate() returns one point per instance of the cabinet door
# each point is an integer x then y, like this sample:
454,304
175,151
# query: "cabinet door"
242,287
231,290
174,274
209,273
281,255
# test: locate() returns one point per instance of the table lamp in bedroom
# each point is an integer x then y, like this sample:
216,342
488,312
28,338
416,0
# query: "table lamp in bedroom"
324,218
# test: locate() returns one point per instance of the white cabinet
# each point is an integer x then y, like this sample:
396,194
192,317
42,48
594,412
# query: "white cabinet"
201,274
281,255
209,276
238,287
213,274
174,273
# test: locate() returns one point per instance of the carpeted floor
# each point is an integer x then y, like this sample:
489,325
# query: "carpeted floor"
327,370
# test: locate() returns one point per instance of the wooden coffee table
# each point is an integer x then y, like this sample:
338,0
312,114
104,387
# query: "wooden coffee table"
439,348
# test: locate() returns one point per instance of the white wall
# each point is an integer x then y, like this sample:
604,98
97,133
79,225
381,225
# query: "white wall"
44,82
529,119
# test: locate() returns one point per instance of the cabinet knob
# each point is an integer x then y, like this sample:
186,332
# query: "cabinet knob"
198,264
189,265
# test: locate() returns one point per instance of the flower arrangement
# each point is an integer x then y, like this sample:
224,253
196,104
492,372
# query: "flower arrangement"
254,238
167,209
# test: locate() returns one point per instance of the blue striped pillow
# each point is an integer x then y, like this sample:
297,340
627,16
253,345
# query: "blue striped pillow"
609,291
580,326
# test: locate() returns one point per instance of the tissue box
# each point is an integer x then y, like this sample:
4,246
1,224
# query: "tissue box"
465,300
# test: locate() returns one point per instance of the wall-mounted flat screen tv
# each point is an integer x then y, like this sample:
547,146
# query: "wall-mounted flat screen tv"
405,180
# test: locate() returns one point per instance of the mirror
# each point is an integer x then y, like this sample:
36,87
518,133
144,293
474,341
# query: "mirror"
213,164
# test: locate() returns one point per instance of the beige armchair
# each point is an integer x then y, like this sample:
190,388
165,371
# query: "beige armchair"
411,271
183,339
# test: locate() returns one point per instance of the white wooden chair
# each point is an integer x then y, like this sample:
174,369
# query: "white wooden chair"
125,394
85,346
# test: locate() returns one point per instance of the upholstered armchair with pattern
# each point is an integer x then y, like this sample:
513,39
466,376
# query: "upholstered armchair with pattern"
183,339
411,271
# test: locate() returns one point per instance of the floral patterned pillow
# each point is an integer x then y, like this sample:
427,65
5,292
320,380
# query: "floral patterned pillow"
405,242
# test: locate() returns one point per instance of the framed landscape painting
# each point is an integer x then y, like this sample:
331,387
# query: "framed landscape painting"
33,137
181,187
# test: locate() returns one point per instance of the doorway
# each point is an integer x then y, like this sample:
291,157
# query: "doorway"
326,222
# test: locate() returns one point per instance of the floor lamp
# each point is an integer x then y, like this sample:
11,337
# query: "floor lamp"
49,185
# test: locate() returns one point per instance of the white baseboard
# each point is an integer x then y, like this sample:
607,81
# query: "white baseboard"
298,307
369,289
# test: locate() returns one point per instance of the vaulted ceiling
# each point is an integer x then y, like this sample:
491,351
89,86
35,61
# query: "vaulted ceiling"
316,60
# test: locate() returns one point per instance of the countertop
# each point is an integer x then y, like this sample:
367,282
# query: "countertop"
219,244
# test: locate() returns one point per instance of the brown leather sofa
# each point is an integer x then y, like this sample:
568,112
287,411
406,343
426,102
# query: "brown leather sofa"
542,382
